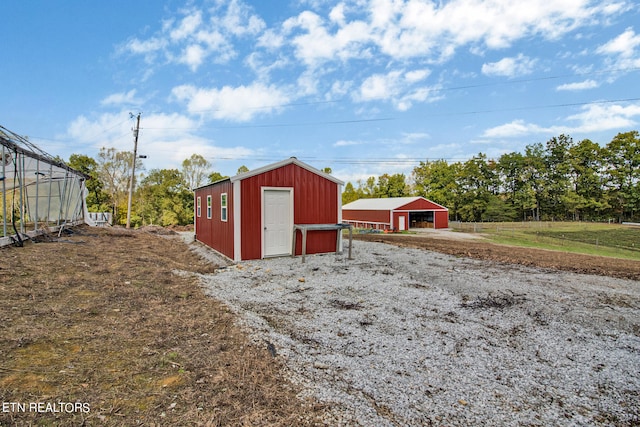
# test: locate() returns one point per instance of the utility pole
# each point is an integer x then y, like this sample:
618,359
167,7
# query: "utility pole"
133,167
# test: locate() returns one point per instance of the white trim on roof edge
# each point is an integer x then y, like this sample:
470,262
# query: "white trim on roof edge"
388,203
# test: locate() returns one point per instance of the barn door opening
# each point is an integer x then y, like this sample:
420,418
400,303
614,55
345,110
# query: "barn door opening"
277,221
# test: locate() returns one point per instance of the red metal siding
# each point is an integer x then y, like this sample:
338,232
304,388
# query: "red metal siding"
315,201
366,215
214,232
441,219
440,214
421,205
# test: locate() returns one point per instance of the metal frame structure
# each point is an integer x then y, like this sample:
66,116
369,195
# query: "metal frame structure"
37,192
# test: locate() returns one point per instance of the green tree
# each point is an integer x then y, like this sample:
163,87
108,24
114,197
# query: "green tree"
366,189
97,200
242,169
114,170
477,179
349,194
216,176
498,210
164,199
391,186
586,197
622,157
556,174
510,170
195,170
437,181
534,177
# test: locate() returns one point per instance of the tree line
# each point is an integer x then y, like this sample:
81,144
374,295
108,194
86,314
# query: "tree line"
558,180
161,196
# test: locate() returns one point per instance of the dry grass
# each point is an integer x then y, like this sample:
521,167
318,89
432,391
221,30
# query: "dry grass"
99,317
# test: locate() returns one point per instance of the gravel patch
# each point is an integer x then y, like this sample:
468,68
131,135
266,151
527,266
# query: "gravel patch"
401,336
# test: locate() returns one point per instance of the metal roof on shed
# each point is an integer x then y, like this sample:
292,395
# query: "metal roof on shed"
290,160
385,204
272,166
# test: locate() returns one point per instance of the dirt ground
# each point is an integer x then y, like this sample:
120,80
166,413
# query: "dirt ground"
479,249
110,327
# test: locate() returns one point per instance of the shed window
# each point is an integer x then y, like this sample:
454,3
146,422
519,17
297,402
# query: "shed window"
199,206
223,207
208,207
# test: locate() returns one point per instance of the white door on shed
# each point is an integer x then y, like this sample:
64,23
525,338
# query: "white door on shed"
401,224
277,222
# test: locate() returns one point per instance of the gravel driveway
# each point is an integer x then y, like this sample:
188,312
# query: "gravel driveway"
401,336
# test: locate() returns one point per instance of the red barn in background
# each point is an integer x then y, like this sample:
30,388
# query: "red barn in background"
396,213
251,215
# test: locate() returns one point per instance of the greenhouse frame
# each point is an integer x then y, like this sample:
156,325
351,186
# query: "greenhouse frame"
38,193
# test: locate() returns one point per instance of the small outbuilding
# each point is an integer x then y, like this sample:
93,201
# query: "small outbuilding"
396,213
252,215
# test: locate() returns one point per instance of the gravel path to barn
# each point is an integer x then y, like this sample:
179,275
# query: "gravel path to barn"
401,336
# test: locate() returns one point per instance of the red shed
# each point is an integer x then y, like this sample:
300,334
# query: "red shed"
251,215
396,213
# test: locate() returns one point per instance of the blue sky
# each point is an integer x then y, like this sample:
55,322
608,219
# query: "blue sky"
363,87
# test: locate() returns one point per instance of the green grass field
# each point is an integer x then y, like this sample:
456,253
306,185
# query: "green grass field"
611,240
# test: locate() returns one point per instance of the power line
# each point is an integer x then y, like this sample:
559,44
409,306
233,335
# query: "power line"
342,160
445,89
384,119
536,79
534,107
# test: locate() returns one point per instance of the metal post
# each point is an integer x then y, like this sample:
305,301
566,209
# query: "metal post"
35,220
4,194
23,189
62,195
49,198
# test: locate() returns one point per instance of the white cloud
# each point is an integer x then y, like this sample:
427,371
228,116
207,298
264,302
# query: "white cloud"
515,128
346,143
416,75
340,89
147,48
413,137
104,130
337,14
396,86
380,86
593,118
187,27
126,98
240,104
587,84
315,45
599,117
623,45
240,21
193,56
623,51
509,67
193,39
405,29
166,139
271,39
